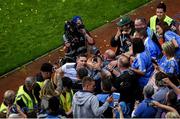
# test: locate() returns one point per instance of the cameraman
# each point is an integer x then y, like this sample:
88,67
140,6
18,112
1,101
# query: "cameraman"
125,31
70,39
76,38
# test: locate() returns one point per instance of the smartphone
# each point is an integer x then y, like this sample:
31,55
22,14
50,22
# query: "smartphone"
154,61
116,97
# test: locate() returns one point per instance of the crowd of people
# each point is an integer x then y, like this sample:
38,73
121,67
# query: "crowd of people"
140,79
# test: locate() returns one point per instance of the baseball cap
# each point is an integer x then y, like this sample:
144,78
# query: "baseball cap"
124,20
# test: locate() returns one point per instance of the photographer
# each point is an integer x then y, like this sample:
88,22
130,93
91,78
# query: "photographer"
76,38
125,31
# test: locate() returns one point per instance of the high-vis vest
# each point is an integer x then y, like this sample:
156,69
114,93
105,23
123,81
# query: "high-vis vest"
66,102
167,19
21,94
41,84
3,108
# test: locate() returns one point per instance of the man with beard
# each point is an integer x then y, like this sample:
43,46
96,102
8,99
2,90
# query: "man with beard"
140,24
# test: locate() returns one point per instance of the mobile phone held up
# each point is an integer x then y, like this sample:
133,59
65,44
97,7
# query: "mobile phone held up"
154,61
116,97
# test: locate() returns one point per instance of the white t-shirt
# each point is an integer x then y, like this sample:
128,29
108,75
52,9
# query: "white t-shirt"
69,70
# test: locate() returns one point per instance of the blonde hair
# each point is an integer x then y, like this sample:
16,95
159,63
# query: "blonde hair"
47,89
173,115
168,48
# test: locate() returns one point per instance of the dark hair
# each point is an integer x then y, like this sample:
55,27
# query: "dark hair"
46,67
142,19
53,105
172,98
82,72
67,82
69,26
81,55
158,78
165,27
86,80
161,5
106,83
81,27
173,78
143,33
138,45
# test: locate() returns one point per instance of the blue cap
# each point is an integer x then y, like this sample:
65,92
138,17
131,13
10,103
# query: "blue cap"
76,18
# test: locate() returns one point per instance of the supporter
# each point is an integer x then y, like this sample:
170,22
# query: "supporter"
150,46
161,16
145,109
46,93
173,115
81,73
124,33
26,99
141,24
142,64
66,96
70,69
106,92
162,88
160,95
95,65
112,67
85,104
54,108
163,29
167,63
168,82
167,108
118,109
47,71
126,82
173,101
108,56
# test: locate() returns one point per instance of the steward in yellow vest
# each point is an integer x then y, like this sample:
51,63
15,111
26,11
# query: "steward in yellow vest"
25,97
9,98
9,106
154,19
161,16
66,100
66,96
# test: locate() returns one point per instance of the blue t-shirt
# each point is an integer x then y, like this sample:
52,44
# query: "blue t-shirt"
169,66
144,110
152,48
103,97
143,63
169,36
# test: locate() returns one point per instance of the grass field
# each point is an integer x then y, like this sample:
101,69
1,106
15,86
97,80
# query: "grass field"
30,28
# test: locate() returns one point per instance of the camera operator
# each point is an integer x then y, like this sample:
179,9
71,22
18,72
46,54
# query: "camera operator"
76,38
125,31
70,39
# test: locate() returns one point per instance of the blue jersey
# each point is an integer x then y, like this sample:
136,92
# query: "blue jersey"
169,66
143,63
169,36
152,48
